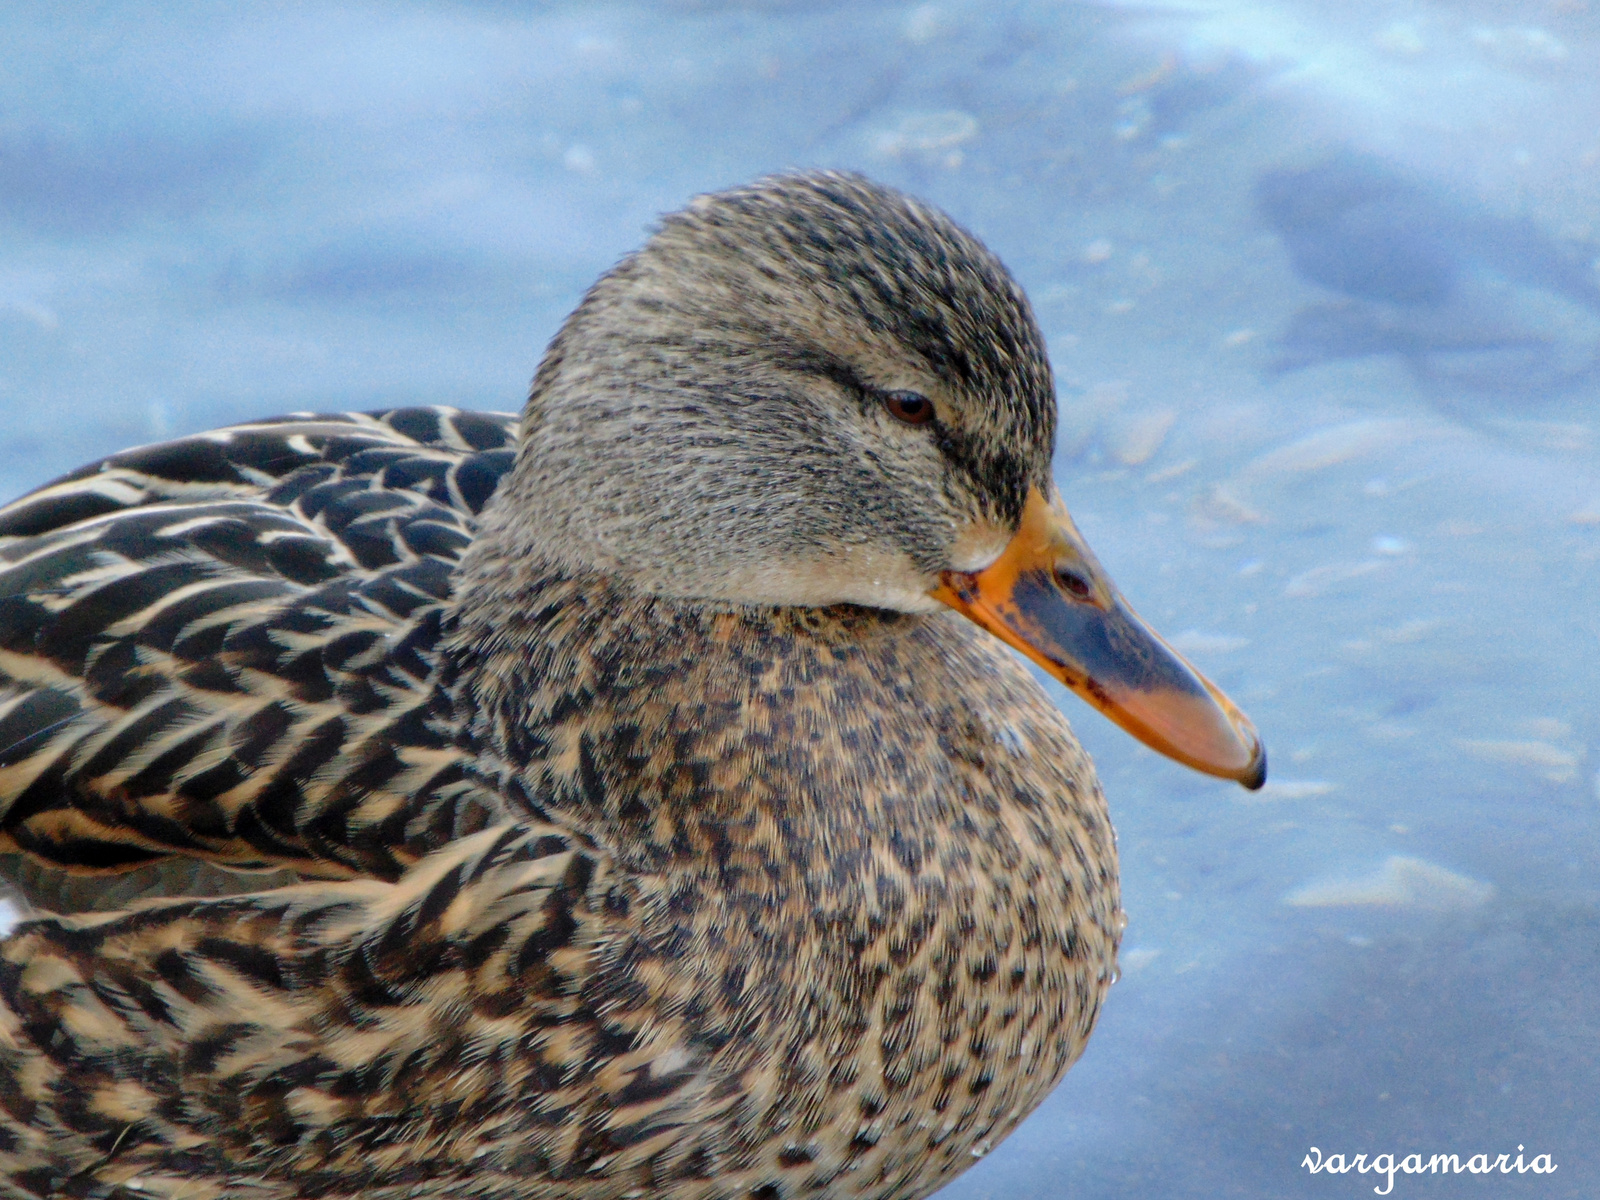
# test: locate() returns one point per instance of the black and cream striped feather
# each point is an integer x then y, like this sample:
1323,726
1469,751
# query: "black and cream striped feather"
221,648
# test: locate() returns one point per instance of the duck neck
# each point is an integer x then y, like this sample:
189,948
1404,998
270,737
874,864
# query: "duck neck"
658,726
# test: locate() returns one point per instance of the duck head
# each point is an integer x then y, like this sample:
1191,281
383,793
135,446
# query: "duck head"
815,390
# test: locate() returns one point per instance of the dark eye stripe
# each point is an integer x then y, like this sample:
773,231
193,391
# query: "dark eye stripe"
911,407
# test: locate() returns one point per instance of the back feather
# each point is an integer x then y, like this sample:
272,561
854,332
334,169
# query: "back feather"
222,648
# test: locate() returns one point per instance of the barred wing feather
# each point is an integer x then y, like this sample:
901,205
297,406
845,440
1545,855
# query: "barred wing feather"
222,648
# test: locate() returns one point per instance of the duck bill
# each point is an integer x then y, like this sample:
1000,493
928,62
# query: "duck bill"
1047,596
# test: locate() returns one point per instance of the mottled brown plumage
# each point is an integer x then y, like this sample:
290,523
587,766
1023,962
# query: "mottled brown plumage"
646,830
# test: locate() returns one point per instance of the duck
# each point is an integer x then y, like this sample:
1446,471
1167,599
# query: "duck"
641,796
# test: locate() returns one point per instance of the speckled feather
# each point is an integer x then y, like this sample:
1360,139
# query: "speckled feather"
603,891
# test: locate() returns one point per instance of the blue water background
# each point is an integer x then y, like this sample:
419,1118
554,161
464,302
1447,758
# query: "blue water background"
210,213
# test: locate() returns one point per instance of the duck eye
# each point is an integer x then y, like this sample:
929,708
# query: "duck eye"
911,407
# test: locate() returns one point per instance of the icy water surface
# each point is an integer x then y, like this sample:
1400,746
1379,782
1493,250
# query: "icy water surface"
1318,281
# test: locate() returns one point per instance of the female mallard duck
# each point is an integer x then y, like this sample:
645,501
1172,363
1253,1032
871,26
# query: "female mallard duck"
646,824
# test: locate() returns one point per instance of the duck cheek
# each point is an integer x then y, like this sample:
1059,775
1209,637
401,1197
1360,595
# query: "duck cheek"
1048,597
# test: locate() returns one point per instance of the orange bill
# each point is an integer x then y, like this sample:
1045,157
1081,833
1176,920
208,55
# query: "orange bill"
1048,596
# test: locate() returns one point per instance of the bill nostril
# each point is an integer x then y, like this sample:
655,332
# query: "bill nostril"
1074,584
